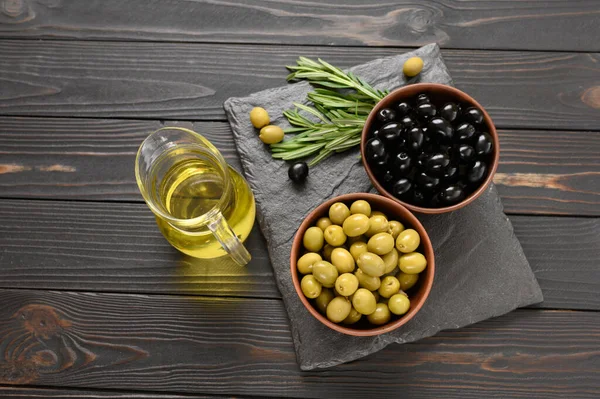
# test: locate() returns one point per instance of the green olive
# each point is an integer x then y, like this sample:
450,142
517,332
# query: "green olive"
381,243
358,248
370,264
411,263
334,235
306,262
346,284
364,301
271,134
389,286
391,260
407,281
313,239
356,225
399,304
381,315
360,207
378,213
342,260
352,240
377,224
395,228
412,66
408,240
353,317
366,281
338,212
311,288
327,251
338,309
325,273
323,299
259,117
323,223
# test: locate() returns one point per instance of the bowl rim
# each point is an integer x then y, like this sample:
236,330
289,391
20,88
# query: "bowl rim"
409,218
464,97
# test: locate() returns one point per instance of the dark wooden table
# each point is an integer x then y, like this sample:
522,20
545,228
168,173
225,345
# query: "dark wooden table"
95,303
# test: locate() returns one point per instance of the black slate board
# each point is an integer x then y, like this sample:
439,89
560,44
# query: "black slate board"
481,271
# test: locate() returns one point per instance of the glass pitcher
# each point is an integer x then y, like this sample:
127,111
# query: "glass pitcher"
203,207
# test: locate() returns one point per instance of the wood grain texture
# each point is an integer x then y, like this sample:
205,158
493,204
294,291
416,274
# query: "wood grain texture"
190,81
117,247
535,25
8,391
545,172
243,346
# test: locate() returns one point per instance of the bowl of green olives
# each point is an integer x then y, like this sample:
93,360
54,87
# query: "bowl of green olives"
362,264
430,147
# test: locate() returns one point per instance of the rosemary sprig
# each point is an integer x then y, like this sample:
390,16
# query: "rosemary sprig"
341,103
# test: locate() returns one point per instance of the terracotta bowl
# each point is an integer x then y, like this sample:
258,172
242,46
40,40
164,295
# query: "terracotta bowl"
418,294
438,93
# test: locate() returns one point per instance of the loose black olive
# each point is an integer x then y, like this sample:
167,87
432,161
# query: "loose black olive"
376,134
387,178
401,187
375,150
466,153
450,111
426,111
450,175
386,115
451,195
464,132
298,171
417,198
407,122
473,115
484,144
422,99
390,133
402,109
477,172
415,139
427,182
436,163
402,164
440,130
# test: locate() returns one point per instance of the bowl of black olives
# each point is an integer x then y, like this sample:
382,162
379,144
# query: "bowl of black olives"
430,147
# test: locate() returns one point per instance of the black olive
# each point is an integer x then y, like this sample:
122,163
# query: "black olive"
402,109
401,187
375,150
484,144
435,201
386,178
464,132
386,115
422,99
450,111
451,195
402,164
376,134
450,174
298,171
473,115
436,163
426,111
407,122
440,130
477,172
422,159
415,139
466,153
427,182
390,133
417,198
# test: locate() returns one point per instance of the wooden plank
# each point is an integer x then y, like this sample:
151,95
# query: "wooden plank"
191,81
117,247
541,172
57,393
243,346
535,25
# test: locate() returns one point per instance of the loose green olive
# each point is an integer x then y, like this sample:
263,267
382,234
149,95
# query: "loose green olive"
377,224
391,260
366,281
323,299
342,260
412,66
353,317
334,235
271,134
360,207
364,301
389,286
381,315
338,309
378,213
306,262
313,239
323,223
411,263
407,281
358,248
338,212
381,243
356,225
346,284
370,263
408,240
395,228
325,273
311,288
399,304
259,117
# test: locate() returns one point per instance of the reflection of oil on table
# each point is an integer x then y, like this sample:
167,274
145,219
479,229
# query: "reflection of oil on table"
94,302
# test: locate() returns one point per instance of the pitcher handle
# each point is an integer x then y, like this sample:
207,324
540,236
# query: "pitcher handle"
230,242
